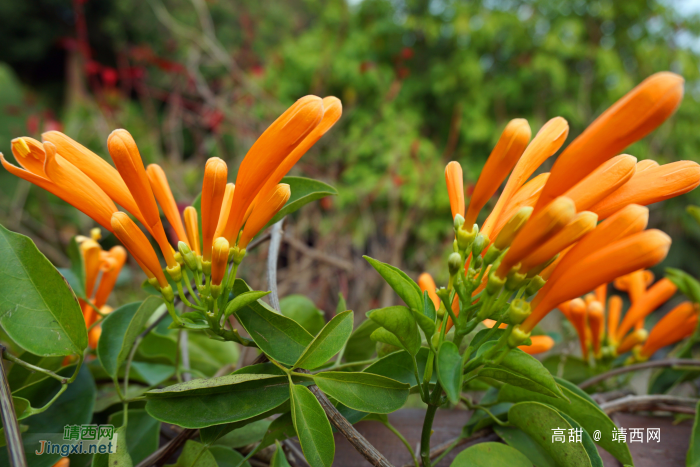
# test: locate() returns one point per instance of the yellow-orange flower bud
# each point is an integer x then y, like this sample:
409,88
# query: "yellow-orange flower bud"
605,179
646,164
540,344
631,340
225,209
219,260
427,284
264,212
614,312
657,295
164,196
455,189
678,324
578,317
596,322
192,228
116,257
213,189
138,245
526,196
511,229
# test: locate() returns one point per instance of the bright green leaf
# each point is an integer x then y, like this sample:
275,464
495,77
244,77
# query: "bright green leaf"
399,366
521,441
449,369
386,337
587,441
278,458
328,342
489,455
365,392
360,345
304,190
312,427
399,321
77,268
244,299
403,285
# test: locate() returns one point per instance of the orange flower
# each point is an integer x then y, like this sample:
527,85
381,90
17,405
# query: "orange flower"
632,340
63,462
503,158
161,189
213,188
225,210
601,293
635,284
90,251
427,284
646,164
510,230
526,196
490,323
657,294
455,189
607,178
138,245
547,272
192,227
267,153
95,167
614,312
93,339
579,226
678,324
640,250
219,260
538,230
651,186
578,312
596,321
628,221
630,119
127,158
565,308
264,212
540,344
110,267
546,142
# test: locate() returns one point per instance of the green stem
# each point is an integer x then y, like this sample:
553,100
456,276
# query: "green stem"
418,380
31,367
348,365
471,406
447,451
189,287
428,425
50,403
181,294
173,314
404,441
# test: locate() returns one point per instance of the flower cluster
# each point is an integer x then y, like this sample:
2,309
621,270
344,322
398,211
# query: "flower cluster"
544,238
231,215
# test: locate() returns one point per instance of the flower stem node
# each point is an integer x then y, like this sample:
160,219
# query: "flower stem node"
515,280
440,312
237,254
495,284
480,242
517,337
154,282
180,260
519,310
175,272
168,293
536,283
206,267
454,263
189,256
491,255
465,238
215,290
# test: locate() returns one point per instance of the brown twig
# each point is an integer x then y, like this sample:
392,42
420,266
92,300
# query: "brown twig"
639,366
161,456
9,420
653,402
318,255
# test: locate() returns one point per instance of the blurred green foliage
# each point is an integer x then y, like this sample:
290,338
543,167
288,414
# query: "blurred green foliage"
422,83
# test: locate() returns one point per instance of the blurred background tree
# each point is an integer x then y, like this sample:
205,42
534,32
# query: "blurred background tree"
422,83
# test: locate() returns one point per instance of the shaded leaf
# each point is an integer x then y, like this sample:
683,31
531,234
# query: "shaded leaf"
227,457
77,268
142,435
365,392
303,191
403,285
302,310
693,457
399,366
490,454
328,342
278,458
399,321
449,369
312,427
521,441
587,441
360,346
194,454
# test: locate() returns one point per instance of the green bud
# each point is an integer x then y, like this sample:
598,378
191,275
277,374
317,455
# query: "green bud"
535,285
459,222
188,255
519,310
515,280
206,267
168,294
175,273
178,258
517,337
479,244
454,263
491,255
477,262
495,284
237,254
440,312
435,340
465,237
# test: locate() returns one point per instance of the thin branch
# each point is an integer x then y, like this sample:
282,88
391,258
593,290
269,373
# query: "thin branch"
639,366
652,402
263,238
272,256
162,455
9,421
318,255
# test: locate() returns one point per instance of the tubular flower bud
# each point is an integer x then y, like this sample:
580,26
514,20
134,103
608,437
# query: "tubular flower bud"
490,323
579,226
565,308
630,119
480,242
219,260
164,196
514,225
534,286
491,255
601,293
192,228
641,250
544,145
635,284
138,245
267,153
127,158
538,230
188,256
95,167
614,312
90,252
678,324
495,284
503,158
526,196
454,263
630,220
427,284
540,344
518,311
455,188
116,257
651,186
213,189
96,234
657,295
633,339
225,209
264,212
515,280
607,178
517,337
578,317
596,321
646,164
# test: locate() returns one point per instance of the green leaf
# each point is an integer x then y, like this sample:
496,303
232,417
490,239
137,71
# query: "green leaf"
304,312
538,420
360,345
143,434
77,268
386,337
521,441
522,370
121,458
205,402
278,458
37,308
489,455
425,323
686,283
581,408
587,441
399,321
429,307
240,437
399,366
19,376
365,392
242,300
342,305
449,370
280,337
328,342
211,434
22,407
312,427
568,367
481,419
194,454
119,331
304,190
403,285
693,457
280,429
227,457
